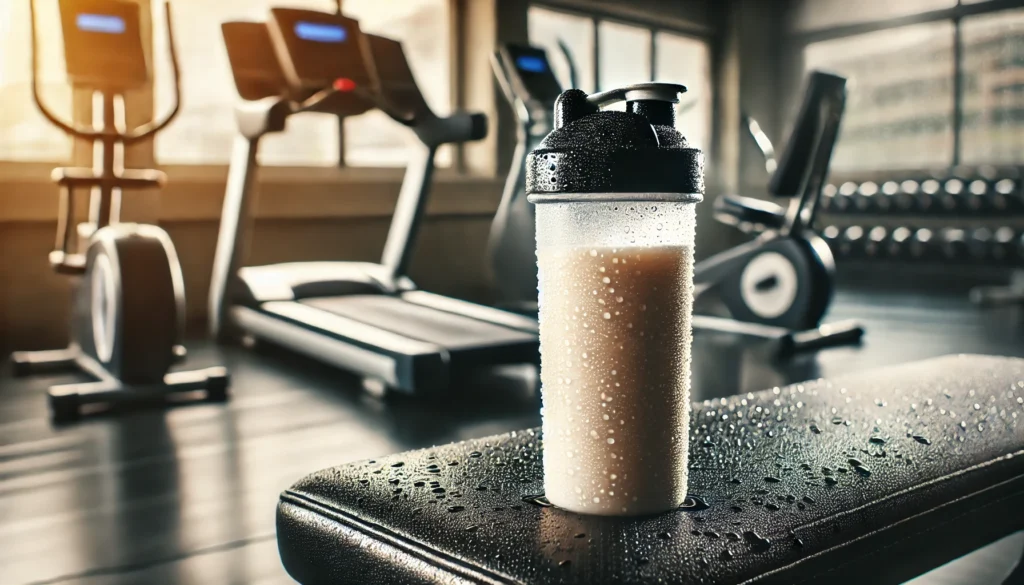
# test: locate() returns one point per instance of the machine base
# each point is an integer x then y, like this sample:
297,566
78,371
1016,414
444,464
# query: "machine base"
786,341
66,400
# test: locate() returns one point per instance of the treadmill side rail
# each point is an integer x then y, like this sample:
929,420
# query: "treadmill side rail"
472,310
233,237
404,364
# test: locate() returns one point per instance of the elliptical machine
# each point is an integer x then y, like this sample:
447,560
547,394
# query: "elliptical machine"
525,77
128,314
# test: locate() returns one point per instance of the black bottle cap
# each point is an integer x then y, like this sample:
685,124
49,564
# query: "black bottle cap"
636,151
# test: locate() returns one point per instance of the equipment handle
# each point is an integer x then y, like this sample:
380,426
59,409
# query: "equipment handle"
574,81
87,132
151,128
501,76
345,85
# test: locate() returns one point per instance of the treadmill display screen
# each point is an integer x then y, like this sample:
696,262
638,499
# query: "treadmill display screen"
100,23
532,64
319,32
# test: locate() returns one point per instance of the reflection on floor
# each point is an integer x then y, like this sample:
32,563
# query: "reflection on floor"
187,495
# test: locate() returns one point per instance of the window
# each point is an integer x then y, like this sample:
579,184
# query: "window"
819,14
204,131
373,139
24,134
904,111
899,112
624,57
547,27
686,60
992,82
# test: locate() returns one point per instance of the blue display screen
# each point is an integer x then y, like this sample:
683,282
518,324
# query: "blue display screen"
319,32
99,23
532,64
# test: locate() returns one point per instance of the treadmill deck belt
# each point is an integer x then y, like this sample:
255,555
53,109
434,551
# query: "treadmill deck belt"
449,330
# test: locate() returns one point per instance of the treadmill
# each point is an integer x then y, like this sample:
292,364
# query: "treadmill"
362,317
531,88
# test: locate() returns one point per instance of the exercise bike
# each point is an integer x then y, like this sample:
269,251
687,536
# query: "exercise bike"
128,313
780,284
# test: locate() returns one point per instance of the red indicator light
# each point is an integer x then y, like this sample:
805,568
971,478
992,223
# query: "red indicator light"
344,84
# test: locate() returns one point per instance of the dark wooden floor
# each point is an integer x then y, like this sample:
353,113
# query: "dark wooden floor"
187,495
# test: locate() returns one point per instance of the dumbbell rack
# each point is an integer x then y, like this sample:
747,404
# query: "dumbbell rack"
966,216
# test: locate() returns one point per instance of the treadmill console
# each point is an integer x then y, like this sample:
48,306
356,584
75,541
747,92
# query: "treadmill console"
103,45
530,73
253,61
317,48
397,83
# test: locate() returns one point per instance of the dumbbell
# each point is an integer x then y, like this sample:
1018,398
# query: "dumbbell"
850,241
899,241
864,196
949,199
874,244
1003,244
831,236
887,199
1004,192
843,201
979,243
953,243
921,244
828,195
979,198
926,198
906,197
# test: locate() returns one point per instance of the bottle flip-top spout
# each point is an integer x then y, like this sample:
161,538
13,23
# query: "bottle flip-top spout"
604,151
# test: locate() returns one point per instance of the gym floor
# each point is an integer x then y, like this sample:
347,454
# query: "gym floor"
187,495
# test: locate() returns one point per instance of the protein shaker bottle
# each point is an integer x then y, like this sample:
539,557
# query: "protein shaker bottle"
616,196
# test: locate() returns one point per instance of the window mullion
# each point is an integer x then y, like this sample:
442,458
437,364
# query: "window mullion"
653,59
597,54
958,101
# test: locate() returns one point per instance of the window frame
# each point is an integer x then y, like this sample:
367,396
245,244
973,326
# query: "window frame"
955,14
688,30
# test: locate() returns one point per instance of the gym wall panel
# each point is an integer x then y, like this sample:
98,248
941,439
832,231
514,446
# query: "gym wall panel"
34,304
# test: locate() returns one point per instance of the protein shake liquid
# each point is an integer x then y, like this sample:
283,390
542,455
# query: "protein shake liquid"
615,256
616,344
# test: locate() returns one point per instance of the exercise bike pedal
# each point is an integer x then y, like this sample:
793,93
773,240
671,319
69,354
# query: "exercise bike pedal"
827,335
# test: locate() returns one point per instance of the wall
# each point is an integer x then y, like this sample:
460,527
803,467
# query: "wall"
34,302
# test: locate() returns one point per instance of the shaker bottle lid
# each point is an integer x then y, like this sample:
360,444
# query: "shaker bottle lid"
594,151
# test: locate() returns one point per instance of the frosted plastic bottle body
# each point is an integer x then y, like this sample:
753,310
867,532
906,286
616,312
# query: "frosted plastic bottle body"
616,295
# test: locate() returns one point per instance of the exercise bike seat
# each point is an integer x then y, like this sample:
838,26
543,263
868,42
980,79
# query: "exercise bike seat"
737,210
875,477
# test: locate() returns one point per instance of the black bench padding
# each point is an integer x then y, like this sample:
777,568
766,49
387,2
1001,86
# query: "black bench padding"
870,478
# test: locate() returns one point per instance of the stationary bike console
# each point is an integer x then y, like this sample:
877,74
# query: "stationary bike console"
128,314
